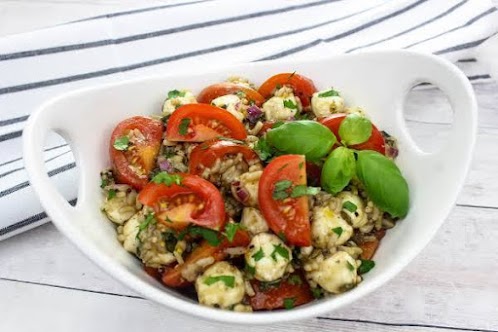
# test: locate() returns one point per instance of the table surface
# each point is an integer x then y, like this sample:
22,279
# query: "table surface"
47,284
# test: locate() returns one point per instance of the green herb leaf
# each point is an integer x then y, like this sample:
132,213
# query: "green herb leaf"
229,281
366,265
295,280
302,190
282,185
121,143
290,104
355,129
279,195
338,170
350,266
317,292
281,251
329,93
251,270
258,255
301,165
282,236
383,182
103,183
111,194
277,124
183,127
149,220
338,231
231,230
305,137
350,206
175,93
289,303
167,178
211,236
240,94
263,149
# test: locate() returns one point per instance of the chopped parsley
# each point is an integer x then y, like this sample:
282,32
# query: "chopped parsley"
122,143
211,236
104,183
301,165
302,190
329,93
183,127
282,185
289,303
251,270
350,266
231,230
317,292
149,220
366,265
279,195
111,194
350,206
240,94
282,236
263,149
303,116
281,251
167,179
338,231
175,93
258,255
295,280
229,281
290,104
265,285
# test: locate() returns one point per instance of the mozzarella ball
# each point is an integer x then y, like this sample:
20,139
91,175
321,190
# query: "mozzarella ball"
336,274
127,234
221,285
283,106
171,104
249,184
329,229
269,257
122,206
152,247
324,106
357,216
231,103
252,220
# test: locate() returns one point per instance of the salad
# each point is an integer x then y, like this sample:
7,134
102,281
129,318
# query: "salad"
250,199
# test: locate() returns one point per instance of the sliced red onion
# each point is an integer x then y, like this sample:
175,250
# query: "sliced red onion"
391,151
239,193
254,113
165,165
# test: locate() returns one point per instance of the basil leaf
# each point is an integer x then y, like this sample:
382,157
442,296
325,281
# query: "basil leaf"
366,265
329,93
383,182
167,179
263,149
338,170
121,143
183,127
355,129
229,281
305,137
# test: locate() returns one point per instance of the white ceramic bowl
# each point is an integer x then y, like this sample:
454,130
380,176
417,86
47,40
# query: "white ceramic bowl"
377,81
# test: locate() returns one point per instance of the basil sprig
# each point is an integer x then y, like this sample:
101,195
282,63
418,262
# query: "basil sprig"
383,181
305,137
338,170
355,129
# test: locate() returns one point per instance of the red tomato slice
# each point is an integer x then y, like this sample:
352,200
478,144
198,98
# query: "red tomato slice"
173,277
288,216
214,91
202,122
133,165
295,290
303,87
369,248
195,201
375,142
205,155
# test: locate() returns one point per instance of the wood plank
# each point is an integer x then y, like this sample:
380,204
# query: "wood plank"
449,284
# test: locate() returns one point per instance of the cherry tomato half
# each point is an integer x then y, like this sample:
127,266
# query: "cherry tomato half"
294,289
133,164
195,201
375,142
369,248
303,87
202,122
173,277
285,215
214,91
205,155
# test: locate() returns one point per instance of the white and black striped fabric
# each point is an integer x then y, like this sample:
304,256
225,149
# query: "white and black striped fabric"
199,34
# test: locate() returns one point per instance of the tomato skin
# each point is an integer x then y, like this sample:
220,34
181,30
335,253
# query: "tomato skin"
212,215
200,128
273,297
303,87
206,154
375,142
208,94
173,277
369,248
146,151
297,228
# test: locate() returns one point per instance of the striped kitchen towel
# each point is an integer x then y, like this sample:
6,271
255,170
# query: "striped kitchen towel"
179,34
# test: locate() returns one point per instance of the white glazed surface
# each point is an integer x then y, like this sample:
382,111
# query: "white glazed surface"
378,82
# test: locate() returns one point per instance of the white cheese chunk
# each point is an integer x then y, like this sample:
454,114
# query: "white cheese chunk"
357,217
231,103
171,104
252,220
326,105
337,273
329,229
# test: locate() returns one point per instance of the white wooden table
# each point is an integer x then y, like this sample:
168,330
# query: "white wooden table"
48,285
